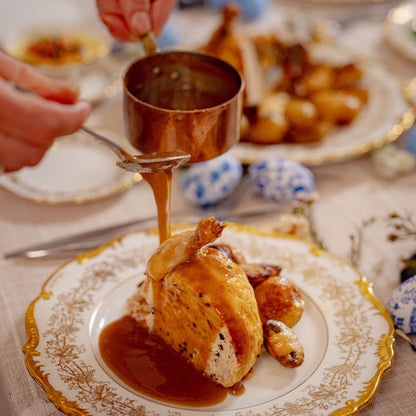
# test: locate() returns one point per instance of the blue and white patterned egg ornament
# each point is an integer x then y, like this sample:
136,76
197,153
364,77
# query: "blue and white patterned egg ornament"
282,180
402,306
250,9
206,183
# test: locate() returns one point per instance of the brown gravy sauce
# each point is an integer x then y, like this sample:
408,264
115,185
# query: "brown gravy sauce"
142,359
161,184
184,98
145,363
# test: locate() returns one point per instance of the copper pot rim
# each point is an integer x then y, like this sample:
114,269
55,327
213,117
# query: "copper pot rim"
231,68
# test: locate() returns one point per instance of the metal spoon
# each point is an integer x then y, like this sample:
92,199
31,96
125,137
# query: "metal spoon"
144,163
149,162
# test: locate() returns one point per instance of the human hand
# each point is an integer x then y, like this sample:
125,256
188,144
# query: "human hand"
127,19
30,120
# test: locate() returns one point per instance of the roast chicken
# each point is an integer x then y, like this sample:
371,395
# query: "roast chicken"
200,299
202,304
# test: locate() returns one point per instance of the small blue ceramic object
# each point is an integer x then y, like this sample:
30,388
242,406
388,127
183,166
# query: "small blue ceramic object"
402,306
282,180
206,183
410,141
250,9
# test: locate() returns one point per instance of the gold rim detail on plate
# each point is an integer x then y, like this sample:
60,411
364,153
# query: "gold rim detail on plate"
359,352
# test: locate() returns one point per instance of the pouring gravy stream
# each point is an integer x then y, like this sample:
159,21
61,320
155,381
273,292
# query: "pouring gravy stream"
203,121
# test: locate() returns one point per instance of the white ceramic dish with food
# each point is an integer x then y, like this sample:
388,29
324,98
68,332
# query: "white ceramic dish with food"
346,333
76,54
385,116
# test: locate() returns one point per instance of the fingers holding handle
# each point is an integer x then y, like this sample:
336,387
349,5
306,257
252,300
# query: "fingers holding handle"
128,19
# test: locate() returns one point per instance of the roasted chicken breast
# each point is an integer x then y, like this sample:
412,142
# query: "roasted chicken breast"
202,304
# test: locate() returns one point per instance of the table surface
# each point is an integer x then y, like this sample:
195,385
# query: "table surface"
349,194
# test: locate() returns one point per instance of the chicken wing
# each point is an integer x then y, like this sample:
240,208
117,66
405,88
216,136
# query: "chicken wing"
181,247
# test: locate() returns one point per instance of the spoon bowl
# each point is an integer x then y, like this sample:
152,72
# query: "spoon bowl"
145,163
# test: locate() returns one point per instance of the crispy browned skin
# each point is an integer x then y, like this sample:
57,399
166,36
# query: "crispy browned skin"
258,273
202,304
283,344
223,42
229,252
180,247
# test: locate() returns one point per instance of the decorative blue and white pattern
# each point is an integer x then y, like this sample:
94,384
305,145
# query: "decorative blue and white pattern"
282,180
206,183
402,306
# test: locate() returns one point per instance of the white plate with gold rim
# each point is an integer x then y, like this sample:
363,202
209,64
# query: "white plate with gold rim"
75,170
346,332
386,115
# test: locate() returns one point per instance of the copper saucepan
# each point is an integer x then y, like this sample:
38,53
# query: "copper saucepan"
185,101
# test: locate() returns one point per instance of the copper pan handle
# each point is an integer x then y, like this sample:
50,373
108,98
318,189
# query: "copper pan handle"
149,43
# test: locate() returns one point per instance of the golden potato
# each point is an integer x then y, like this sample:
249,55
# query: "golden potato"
279,299
310,134
283,344
244,126
337,106
361,93
320,77
268,130
347,75
301,113
273,104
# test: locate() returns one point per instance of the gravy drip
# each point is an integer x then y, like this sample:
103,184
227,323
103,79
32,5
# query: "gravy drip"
148,365
161,184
